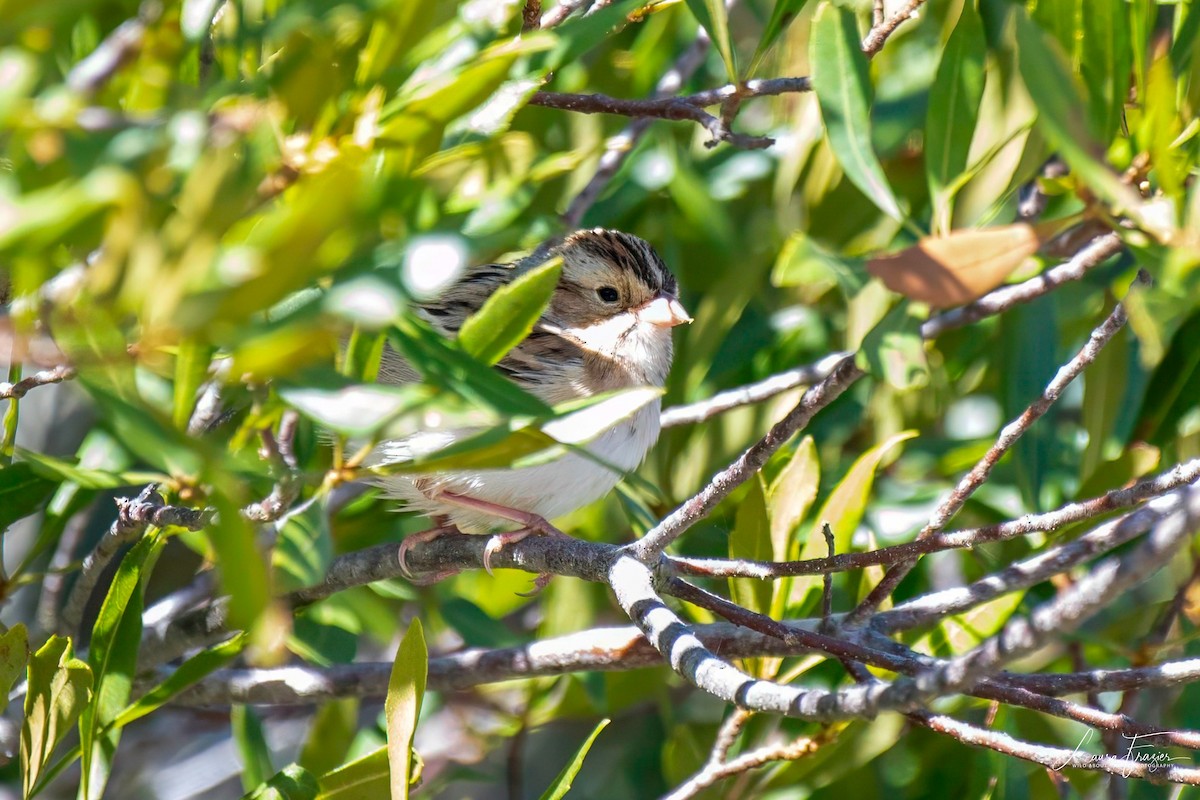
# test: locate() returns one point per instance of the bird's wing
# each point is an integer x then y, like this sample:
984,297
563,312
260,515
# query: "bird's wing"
544,364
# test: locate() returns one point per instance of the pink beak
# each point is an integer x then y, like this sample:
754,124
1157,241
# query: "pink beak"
664,311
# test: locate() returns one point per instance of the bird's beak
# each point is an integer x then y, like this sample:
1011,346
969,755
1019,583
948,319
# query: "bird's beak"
664,311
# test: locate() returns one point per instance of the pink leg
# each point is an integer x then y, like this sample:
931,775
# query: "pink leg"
525,519
531,523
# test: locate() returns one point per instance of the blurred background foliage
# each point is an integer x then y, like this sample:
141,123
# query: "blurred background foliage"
246,186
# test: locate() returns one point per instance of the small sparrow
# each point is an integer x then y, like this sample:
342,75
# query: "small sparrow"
607,327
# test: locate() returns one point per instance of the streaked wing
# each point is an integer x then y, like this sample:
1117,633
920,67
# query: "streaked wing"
545,364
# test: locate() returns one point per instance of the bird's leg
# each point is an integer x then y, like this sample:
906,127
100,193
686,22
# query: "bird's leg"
529,522
442,525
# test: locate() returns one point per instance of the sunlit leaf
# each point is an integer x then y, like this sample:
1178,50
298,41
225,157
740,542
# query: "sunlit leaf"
843,87
562,784
406,688
959,267
782,15
293,782
714,18
59,688
509,314
14,655
953,109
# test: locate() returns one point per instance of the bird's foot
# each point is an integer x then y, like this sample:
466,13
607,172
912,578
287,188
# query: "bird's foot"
422,537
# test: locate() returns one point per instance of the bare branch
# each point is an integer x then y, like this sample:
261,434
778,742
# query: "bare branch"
713,772
883,28
557,15
1101,336
133,518
46,377
1095,253
1037,568
1056,758
1022,636
1179,475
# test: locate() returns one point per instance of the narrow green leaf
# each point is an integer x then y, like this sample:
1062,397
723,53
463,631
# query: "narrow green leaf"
406,689
894,351
293,782
751,539
14,655
782,15
1058,100
22,491
842,511
62,470
446,364
112,656
355,410
188,673
244,573
842,83
59,688
714,18
252,746
366,777
191,368
954,109
790,496
1105,63
562,784
330,736
1104,400
303,549
509,314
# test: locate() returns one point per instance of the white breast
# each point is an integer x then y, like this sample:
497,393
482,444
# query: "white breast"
549,490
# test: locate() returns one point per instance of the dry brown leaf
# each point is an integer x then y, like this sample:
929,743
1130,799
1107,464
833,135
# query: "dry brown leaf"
960,267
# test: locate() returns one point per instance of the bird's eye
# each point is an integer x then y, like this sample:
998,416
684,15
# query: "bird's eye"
608,294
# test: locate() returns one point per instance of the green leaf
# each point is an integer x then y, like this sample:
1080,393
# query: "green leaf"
244,573
751,539
406,688
562,784
330,736
303,549
182,678
475,626
1105,63
1056,94
447,365
841,81
14,655
191,369
953,110
251,745
112,655
293,782
1104,400
63,471
790,496
894,351
366,777
509,314
714,18
59,688
842,511
356,410
22,491
961,632
782,15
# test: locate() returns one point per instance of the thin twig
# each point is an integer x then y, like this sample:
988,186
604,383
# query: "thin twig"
1147,489
133,518
1101,336
879,33
46,377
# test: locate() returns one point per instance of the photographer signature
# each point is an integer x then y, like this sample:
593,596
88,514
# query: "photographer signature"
1139,752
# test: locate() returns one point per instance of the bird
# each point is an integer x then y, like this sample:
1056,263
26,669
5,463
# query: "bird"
608,326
